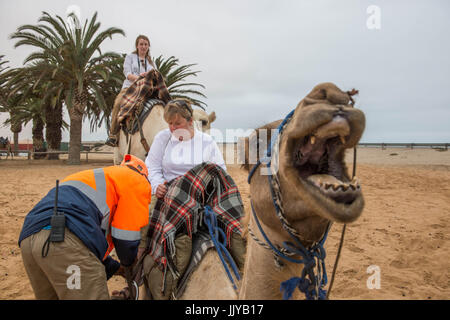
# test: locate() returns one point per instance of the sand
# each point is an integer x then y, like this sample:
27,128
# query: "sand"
403,232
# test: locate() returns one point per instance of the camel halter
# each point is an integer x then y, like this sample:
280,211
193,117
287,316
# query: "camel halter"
311,283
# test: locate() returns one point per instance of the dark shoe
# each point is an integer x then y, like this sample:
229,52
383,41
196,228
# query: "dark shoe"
111,141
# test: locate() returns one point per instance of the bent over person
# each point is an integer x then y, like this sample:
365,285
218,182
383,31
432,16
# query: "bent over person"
102,209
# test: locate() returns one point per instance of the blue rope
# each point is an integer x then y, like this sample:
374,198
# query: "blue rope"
306,286
215,232
278,252
288,287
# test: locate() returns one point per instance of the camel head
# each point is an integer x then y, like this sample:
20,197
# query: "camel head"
203,120
315,185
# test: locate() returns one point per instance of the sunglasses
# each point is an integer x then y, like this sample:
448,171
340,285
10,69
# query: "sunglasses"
183,104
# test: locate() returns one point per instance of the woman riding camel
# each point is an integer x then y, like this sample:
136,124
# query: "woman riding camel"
137,64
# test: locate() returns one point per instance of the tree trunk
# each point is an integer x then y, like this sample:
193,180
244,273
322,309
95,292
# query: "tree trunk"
16,128
38,138
53,120
76,122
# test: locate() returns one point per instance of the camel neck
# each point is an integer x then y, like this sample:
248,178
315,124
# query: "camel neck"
262,278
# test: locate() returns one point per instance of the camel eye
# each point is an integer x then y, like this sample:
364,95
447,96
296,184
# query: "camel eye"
204,122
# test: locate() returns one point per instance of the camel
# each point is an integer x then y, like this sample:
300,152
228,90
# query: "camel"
4,143
203,120
151,126
315,190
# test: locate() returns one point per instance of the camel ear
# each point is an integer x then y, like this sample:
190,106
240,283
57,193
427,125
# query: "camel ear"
212,117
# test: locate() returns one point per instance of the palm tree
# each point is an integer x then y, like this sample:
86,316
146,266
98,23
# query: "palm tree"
175,75
3,80
30,109
6,103
28,83
66,55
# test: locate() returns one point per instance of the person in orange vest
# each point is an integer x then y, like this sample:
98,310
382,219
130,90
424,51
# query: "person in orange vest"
65,243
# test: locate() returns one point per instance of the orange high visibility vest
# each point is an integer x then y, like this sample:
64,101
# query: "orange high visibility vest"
122,196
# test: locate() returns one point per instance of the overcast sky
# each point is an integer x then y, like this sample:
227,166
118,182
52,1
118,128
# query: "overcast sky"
258,59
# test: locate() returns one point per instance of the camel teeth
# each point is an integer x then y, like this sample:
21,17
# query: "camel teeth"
313,139
342,139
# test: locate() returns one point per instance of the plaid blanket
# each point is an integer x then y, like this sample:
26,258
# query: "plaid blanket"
181,210
151,86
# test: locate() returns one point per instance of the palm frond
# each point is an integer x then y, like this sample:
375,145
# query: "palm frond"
175,76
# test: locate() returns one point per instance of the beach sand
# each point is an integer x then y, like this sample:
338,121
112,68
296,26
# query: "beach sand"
403,232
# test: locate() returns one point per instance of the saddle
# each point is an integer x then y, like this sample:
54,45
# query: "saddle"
188,258
201,243
132,124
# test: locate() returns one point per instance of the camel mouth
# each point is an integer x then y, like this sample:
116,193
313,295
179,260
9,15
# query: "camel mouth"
317,157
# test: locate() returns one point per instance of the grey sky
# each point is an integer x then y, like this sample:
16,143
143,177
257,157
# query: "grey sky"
258,59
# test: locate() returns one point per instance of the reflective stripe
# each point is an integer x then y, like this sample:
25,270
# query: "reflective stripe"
125,234
105,224
97,196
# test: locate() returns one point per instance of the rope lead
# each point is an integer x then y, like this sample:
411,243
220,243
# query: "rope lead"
215,232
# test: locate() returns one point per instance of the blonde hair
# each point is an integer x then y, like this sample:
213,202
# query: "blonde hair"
147,55
178,106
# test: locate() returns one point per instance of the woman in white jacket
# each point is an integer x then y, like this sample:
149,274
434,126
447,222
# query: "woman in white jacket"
179,148
136,65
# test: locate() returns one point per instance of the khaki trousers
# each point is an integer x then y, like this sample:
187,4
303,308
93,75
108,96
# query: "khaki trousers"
70,271
114,128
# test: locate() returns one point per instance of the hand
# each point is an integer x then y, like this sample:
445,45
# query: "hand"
161,190
143,74
132,77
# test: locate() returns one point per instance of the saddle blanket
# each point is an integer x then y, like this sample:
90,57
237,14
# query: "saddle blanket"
182,209
152,86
